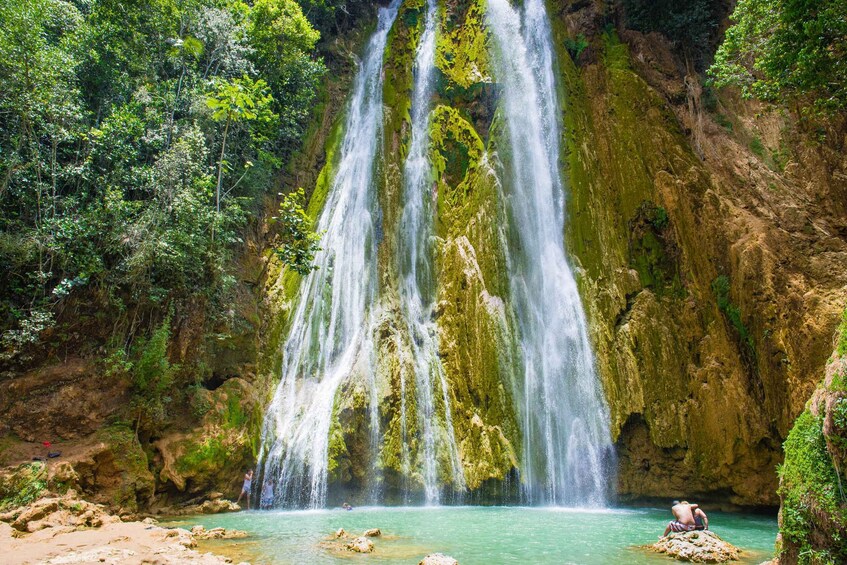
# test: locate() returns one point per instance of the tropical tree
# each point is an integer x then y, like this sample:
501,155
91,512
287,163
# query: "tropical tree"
779,49
234,102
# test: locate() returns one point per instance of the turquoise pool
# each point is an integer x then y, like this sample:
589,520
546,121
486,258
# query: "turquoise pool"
474,535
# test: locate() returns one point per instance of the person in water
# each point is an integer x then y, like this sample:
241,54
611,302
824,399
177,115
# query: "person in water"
245,490
683,514
347,507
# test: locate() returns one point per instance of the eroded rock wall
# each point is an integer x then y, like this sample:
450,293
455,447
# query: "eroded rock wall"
712,275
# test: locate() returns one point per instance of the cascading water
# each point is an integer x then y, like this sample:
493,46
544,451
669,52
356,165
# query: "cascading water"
566,442
417,285
331,334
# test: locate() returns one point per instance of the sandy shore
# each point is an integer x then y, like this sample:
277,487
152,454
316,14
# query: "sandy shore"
118,542
69,530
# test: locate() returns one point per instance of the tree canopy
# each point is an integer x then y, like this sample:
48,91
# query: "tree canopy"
137,137
778,49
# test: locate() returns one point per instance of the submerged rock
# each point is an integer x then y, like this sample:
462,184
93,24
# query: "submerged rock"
438,559
361,544
697,547
372,533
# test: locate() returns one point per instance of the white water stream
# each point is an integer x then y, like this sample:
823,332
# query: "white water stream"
331,334
417,285
566,450
564,419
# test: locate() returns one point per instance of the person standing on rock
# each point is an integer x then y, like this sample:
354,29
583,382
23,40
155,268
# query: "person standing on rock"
248,482
683,514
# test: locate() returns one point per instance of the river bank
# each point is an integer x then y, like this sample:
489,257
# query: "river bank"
66,529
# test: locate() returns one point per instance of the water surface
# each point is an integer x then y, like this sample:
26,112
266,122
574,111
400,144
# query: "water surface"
476,535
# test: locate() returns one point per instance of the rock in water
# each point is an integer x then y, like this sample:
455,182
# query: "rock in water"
340,533
372,533
361,544
217,506
438,559
201,532
697,547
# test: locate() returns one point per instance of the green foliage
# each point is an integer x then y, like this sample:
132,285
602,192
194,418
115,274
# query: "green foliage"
724,122
235,418
24,486
137,138
333,15
720,287
297,242
576,46
282,39
234,102
841,346
207,454
757,147
787,48
152,376
653,251
810,492
689,23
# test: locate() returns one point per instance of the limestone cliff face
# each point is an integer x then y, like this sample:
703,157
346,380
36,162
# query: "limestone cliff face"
708,234
713,263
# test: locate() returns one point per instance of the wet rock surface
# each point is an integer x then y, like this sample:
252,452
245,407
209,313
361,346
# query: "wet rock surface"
438,559
697,547
200,532
361,544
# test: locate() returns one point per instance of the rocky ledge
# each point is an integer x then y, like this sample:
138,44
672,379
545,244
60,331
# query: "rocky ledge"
697,547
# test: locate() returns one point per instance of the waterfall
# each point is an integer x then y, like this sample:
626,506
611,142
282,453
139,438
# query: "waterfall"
567,449
331,331
417,285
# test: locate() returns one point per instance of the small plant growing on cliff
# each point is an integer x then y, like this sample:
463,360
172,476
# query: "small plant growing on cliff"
297,243
720,287
24,486
841,347
576,46
152,376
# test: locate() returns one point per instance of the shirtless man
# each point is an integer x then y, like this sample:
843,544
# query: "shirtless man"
683,512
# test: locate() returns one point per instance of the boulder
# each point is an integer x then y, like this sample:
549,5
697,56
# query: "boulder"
218,505
361,544
340,533
696,547
372,533
438,559
199,532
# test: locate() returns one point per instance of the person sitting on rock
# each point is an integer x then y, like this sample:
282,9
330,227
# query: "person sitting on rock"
701,521
248,481
683,513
